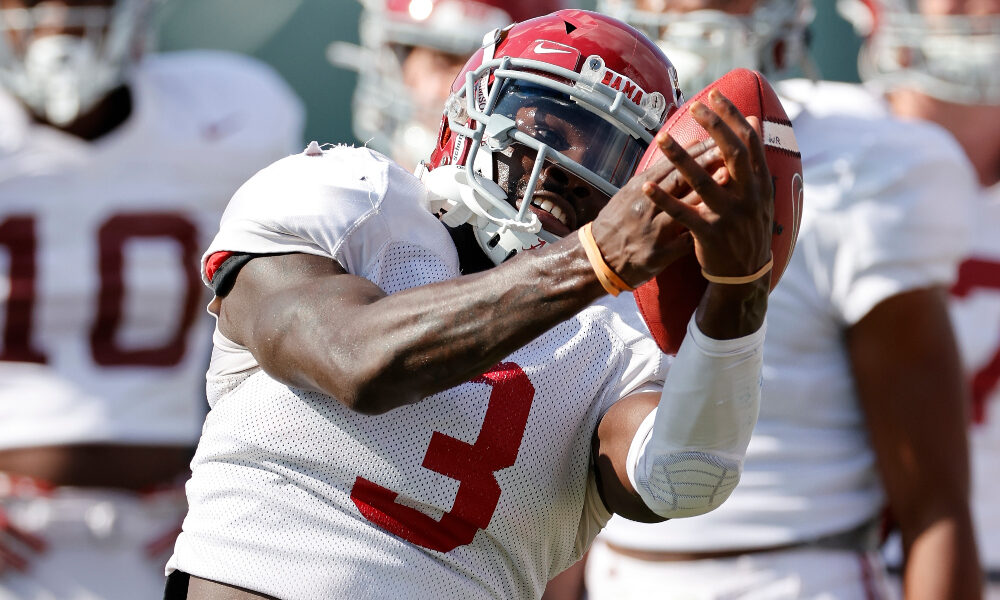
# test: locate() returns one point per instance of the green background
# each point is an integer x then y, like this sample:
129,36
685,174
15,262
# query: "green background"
292,36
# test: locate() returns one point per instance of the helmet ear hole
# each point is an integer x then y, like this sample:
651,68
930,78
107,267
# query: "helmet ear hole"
444,135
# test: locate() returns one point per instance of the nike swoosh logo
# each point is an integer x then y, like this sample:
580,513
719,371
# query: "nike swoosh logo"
542,49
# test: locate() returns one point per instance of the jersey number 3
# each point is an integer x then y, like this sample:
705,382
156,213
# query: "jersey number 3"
472,465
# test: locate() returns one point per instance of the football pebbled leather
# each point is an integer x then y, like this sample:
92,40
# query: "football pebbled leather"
667,301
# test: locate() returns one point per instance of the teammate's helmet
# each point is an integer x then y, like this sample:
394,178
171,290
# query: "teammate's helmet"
385,114
706,44
60,60
603,82
953,57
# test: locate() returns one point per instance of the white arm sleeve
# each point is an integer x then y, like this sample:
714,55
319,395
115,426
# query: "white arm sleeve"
687,456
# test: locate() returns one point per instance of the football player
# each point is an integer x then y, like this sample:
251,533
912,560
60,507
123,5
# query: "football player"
114,170
863,404
410,53
408,406
938,61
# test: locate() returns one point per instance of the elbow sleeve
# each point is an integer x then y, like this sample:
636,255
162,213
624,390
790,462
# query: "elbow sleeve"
687,456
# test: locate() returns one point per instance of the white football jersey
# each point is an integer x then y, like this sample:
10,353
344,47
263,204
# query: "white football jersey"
873,226
975,310
103,336
481,491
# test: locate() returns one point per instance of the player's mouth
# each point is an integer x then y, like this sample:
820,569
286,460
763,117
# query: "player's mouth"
556,215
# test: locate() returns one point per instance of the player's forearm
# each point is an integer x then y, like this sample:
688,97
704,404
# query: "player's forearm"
909,382
942,562
406,346
687,457
934,516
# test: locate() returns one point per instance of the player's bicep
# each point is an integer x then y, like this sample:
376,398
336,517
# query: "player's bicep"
611,444
280,305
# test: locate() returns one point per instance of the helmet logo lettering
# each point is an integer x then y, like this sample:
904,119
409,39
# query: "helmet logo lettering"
623,84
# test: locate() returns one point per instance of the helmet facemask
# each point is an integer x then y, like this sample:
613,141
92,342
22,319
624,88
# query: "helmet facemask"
583,131
61,76
955,58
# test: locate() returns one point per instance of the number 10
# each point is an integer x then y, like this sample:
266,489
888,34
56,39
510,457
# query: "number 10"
18,235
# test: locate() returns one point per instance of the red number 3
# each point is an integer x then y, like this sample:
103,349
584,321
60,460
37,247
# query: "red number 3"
980,274
473,465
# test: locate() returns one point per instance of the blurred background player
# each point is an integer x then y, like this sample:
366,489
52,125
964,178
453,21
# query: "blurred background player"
771,36
114,170
863,399
410,53
940,61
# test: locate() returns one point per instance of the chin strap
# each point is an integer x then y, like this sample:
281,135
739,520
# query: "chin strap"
449,191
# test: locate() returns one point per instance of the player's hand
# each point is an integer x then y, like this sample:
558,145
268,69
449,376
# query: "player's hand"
16,546
729,218
636,237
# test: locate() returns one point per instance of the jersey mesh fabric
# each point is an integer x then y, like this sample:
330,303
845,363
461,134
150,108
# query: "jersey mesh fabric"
285,481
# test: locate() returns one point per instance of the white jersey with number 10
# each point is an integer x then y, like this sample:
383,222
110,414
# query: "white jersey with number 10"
103,336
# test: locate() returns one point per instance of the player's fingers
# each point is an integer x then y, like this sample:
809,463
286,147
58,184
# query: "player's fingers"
746,128
681,245
734,149
697,177
692,198
683,213
708,157
664,170
689,196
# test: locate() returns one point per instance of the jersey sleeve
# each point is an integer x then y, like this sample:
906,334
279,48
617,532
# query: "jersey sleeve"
346,203
889,213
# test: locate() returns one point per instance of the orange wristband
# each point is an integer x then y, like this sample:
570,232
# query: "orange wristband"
610,280
740,280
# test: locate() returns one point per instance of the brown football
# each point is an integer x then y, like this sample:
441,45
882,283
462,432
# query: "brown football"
668,300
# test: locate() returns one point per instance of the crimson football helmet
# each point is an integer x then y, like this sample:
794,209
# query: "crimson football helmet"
953,57
61,59
579,91
706,44
386,114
